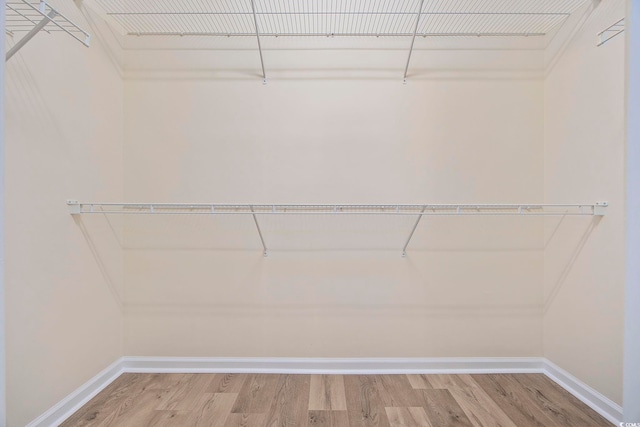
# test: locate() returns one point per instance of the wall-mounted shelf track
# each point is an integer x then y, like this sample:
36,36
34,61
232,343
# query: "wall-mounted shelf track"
25,16
416,210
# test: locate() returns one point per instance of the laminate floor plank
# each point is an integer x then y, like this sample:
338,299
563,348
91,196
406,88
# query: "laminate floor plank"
443,410
291,402
396,390
328,419
141,413
166,381
481,410
273,400
327,393
449,382
562,395
227,383
212,410
557,403
513,401
408,417
245,420
167,418
256,394
364,404
419,381
116,397
185,395
145,401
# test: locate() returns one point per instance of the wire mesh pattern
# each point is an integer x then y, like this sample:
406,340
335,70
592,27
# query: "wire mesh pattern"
258,212
262,209
23,16
340,17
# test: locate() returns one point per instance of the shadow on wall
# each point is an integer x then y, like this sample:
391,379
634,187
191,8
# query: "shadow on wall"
313,233
26,98
38,134
564,270
104,223
186,264
475,273
330,74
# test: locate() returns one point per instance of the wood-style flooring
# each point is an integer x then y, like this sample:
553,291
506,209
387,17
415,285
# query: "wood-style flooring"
269,400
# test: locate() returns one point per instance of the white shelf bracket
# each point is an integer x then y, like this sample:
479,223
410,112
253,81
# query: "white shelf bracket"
255,21
75,208
255,219
413,40
600,208
413,230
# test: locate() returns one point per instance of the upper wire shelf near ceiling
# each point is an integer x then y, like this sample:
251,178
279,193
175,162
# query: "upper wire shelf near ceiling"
22,15
340,17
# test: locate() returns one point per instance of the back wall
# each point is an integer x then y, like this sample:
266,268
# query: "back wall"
333,287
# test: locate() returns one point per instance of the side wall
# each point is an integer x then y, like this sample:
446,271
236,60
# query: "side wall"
584,160
199,286
64,133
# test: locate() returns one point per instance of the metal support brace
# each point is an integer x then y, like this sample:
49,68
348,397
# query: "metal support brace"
40,25
255,219
610,32
413,40
255,20
413,230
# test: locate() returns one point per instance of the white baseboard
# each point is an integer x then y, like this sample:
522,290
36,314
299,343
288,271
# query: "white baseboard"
439,365
70,404
592,398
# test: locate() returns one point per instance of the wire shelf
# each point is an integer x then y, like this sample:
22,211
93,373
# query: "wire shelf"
279,209
24,16
256,211
610,32
341,18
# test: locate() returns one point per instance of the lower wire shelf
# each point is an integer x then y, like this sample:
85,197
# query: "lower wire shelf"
416,210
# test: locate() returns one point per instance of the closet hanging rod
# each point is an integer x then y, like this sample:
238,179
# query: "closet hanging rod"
529,209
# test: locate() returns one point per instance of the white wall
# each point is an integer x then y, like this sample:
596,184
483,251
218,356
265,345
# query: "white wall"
199,286
64,132
584,161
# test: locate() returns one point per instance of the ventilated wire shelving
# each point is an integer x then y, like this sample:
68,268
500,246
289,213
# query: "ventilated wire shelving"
415,210
340,17
610,32
33,17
